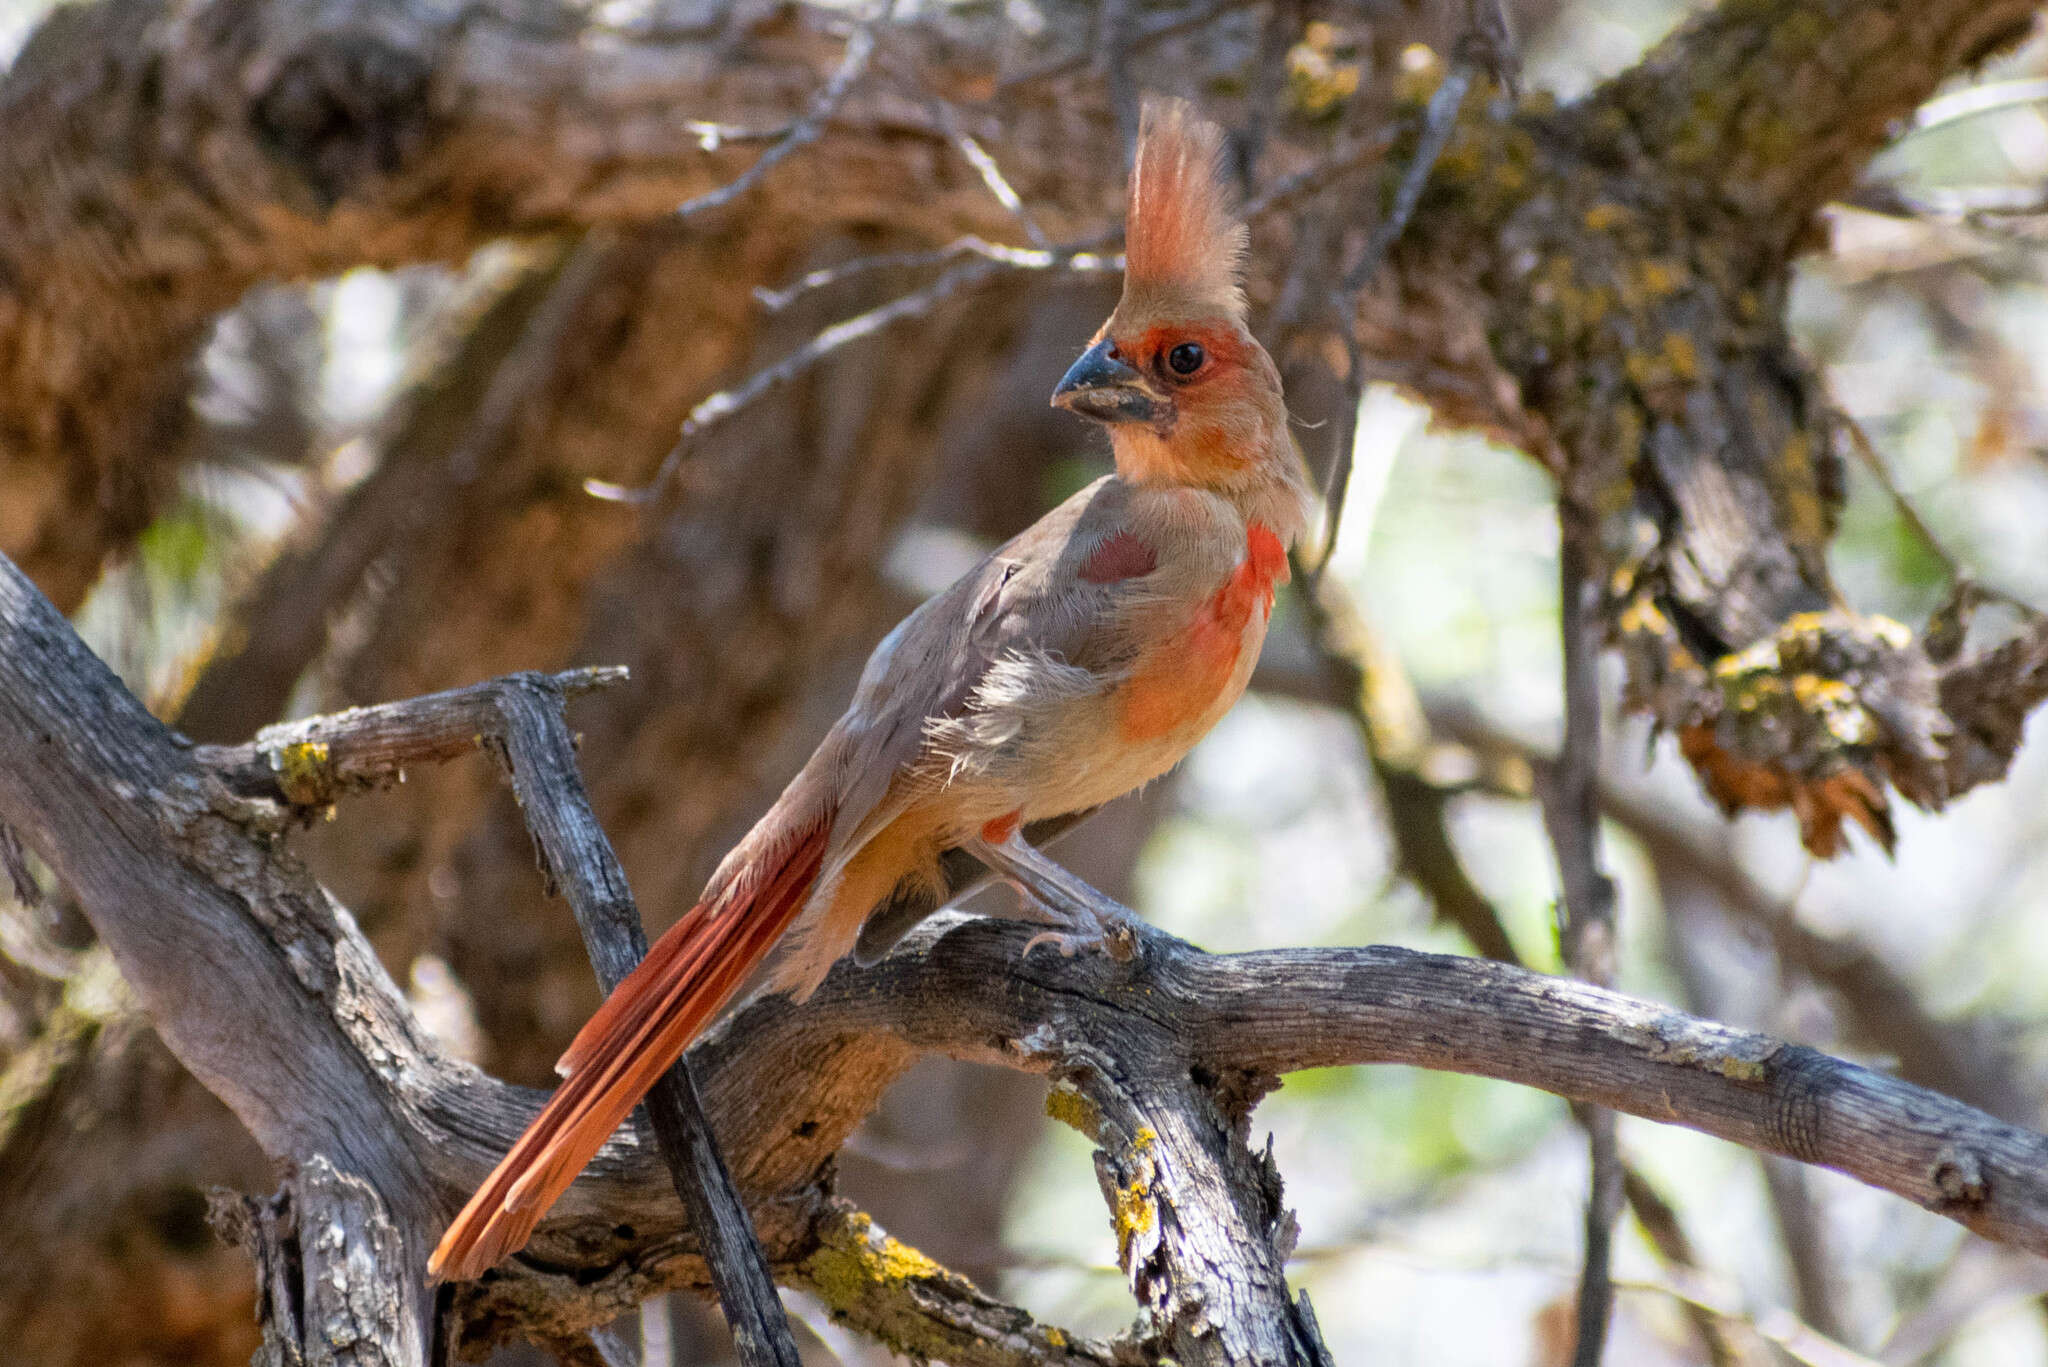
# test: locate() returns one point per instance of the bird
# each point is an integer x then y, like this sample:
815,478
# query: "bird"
1078,662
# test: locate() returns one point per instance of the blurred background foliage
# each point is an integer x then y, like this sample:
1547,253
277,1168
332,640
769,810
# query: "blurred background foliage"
1440,1215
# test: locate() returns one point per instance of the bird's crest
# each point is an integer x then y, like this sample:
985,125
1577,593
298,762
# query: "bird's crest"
1180,237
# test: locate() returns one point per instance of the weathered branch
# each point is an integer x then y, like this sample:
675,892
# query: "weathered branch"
520,719
1635,250
1880,1012
268,993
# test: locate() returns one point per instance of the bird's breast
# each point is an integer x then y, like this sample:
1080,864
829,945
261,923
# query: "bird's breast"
1188,680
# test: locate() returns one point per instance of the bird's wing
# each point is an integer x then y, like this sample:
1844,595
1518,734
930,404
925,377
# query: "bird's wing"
1048,600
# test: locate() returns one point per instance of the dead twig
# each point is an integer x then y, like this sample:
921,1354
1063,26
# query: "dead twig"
1439,117
990,260
1085,257
1136,41
991,174
726,402
1569,791
860,46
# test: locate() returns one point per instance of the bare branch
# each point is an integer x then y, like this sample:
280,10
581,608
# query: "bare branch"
989,263
1157,31
859,48
1439,118
1569,791
991,174
269,994
576,856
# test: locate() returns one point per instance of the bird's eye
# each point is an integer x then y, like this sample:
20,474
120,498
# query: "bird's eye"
1186,358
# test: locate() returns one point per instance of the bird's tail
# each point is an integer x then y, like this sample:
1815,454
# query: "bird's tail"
641,1029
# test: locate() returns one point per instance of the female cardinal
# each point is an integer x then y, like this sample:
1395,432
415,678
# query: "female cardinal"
1078,662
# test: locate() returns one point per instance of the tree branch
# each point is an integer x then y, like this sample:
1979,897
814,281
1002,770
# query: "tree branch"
1569,791
266,990
520,720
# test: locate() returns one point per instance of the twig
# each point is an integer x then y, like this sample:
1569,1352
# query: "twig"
859,48
1799,1342
727,402
991,174
1084,256
1136,42
1692,908
991,260
1660,1223
1439,117
1319,174
1570,798
21,879
1971,101
1859,442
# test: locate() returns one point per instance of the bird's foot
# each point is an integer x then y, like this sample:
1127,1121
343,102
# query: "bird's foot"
1116,936
1083,918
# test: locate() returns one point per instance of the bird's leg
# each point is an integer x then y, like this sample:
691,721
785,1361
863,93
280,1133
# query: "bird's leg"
1089,918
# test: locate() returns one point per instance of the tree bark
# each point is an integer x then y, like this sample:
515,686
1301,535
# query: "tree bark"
269,994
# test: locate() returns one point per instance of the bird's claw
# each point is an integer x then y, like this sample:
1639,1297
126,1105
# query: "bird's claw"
1066,944
1116,936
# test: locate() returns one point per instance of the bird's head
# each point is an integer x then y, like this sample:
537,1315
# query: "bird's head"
1188,395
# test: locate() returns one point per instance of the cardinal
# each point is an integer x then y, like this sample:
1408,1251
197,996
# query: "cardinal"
1078,662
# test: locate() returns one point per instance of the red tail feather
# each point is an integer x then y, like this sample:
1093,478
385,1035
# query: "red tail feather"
641,1029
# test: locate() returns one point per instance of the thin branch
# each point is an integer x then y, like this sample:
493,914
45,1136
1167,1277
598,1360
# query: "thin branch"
1439,118
991,174
1084,256
1797,1341
1570,797
1145,37
578,857
1859,442
989,261
722,405
1691,907
805,131
1975,100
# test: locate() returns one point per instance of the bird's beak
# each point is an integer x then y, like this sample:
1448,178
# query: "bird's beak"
1102,387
